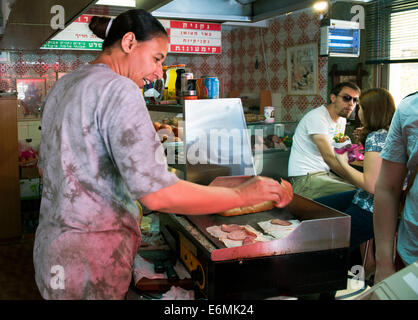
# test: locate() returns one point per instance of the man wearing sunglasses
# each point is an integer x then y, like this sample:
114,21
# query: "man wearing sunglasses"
312,156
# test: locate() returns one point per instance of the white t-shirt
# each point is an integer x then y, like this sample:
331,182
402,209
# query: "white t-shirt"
305,156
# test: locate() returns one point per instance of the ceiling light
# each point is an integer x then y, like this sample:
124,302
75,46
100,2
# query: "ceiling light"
321,6
120,3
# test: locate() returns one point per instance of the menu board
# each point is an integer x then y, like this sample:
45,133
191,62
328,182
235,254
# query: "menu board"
76,36
184,37
193,37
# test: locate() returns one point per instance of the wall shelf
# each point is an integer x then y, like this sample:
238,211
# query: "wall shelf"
173,108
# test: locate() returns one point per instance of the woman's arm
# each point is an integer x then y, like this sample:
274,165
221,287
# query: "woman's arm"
366,179
190,198
386,208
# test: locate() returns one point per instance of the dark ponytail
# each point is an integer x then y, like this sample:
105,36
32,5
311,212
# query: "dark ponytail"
138,21
98,25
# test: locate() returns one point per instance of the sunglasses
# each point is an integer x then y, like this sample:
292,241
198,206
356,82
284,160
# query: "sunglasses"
348,98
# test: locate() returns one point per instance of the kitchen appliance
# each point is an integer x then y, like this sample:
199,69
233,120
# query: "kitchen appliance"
312,259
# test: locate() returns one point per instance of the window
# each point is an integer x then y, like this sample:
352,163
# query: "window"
403,77
392,44
403,80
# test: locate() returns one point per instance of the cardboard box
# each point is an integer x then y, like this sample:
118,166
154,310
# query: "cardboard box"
30,189
402,285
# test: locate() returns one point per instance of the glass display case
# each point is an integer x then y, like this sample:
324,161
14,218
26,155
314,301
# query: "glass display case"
216,140
271,143
168,121
276,136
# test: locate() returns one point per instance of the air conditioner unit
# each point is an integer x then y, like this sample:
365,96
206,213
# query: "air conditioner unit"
340,39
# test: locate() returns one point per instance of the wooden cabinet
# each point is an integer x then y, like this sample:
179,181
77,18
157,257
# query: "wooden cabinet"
10,220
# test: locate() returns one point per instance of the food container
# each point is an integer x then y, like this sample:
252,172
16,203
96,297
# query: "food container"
279,129
269,114
180,71
189,95
185,77
190,85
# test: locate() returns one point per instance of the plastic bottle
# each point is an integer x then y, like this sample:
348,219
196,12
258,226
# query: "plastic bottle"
165,88
180,70
171,83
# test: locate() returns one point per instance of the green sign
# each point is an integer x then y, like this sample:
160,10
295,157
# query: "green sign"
72,45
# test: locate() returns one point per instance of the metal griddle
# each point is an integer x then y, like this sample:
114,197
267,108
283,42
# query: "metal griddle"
312,259
205,221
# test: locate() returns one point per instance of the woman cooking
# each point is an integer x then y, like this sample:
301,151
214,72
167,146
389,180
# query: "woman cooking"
99,154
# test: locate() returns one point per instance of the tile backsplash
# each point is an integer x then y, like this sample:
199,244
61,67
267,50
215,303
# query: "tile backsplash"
255,69
242,66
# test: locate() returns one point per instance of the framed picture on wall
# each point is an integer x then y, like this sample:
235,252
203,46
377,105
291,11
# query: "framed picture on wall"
355,76
30,96
302,69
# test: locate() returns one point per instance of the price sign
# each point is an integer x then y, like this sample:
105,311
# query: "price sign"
184,37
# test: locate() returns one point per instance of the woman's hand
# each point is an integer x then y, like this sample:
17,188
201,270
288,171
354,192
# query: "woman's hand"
286,194
259,189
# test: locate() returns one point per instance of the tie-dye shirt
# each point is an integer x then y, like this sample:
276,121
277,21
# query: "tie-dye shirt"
99,153
375,141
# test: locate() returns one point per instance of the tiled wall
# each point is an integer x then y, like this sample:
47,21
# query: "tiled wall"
40,64
285,31
46,63
34,65
235,67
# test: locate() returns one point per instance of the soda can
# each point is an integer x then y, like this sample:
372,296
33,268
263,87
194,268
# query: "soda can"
200,88
191,85
211,88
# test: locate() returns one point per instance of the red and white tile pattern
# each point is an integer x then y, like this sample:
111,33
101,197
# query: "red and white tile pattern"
235,67
285,31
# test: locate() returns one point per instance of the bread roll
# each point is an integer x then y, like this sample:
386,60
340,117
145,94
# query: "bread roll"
156,125
176,131
167,127
263,206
